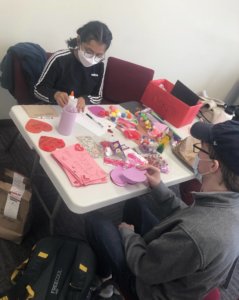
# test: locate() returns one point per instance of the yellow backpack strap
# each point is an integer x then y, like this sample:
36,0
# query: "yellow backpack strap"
20,268
16,272
30,291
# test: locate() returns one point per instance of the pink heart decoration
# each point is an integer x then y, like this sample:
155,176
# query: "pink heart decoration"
78,147
122,177
97,110
116,176
134,175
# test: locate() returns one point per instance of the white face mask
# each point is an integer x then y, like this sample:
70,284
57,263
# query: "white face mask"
86,62
198,175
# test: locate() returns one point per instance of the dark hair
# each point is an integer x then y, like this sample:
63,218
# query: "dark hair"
93,30
230,179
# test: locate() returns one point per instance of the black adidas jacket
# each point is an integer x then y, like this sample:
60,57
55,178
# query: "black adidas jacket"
63,72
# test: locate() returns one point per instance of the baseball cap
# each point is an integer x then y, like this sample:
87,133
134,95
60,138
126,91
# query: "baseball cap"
224,137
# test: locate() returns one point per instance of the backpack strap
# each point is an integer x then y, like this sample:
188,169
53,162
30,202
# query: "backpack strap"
61,271
83,273
66,266
30,270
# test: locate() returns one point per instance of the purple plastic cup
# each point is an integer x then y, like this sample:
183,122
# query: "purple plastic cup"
67,121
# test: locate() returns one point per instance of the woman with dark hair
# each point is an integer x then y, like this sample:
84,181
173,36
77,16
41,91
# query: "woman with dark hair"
79,69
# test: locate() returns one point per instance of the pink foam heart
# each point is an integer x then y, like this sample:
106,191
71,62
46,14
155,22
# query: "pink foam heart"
134,175
97,110
117,178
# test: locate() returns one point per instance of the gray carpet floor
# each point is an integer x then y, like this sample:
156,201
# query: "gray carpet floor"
20,158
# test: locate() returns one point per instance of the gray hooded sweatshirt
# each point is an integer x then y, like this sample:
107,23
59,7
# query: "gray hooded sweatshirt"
192,249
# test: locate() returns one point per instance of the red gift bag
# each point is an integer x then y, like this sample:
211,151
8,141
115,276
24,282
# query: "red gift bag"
157,96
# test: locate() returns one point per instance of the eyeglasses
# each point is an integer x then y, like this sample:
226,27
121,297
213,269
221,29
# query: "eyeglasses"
90,54
198,147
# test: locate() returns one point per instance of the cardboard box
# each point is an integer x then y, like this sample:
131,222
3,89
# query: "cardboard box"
157,96
15,196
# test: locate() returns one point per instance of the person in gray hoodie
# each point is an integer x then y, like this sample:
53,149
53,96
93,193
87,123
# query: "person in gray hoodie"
167,250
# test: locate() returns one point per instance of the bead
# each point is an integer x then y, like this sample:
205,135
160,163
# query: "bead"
112,108
129,115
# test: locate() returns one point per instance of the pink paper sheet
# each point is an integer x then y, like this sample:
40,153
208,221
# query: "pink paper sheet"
79,166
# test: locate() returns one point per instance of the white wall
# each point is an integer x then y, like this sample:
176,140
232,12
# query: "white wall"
194,41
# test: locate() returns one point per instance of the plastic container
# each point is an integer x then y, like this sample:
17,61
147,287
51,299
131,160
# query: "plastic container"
68,117
169,108
72,101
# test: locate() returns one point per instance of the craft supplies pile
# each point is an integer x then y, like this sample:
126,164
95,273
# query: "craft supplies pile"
83,161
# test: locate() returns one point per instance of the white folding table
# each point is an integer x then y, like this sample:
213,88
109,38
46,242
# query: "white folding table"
88,198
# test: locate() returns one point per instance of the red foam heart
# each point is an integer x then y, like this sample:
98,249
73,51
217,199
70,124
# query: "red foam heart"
78,147
36,126
49,144
132,134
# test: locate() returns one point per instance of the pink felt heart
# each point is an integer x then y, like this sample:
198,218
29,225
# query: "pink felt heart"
36,126
49,144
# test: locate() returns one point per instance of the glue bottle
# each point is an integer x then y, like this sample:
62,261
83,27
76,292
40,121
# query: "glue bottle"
72,101
68,116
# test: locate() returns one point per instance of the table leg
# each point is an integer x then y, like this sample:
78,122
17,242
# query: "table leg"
51,215
34,166
13,140
54,212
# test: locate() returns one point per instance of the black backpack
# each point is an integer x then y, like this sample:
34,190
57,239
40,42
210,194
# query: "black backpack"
58,268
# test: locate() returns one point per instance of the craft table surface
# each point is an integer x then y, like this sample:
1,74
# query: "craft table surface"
84,199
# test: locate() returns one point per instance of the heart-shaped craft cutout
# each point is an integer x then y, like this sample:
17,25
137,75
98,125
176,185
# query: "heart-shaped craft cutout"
134,175
116,176
36,126
97,110
49,144
78,147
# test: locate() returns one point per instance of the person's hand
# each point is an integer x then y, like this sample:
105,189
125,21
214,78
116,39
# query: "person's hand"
125,225
152,174
80,104
61,98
